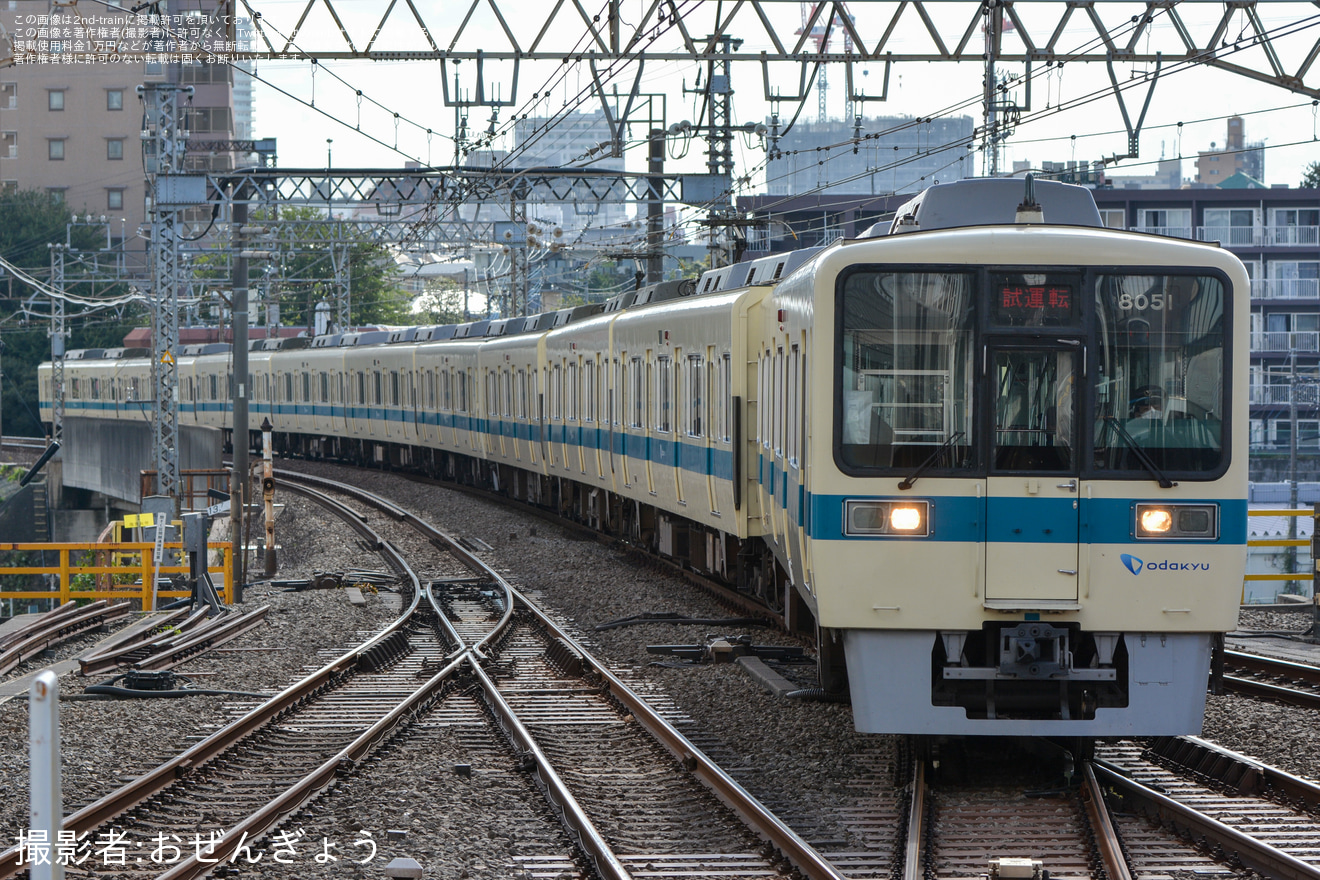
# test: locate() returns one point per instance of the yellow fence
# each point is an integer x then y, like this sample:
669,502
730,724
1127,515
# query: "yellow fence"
104,566
1280,542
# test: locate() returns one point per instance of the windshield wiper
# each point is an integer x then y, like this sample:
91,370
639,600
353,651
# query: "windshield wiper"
1142,456
935,456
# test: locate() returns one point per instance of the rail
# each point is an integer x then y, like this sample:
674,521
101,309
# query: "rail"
96,579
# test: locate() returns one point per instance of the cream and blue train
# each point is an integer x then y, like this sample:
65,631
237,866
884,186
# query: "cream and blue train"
993,453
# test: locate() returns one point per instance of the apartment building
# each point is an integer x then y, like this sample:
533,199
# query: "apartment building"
74,129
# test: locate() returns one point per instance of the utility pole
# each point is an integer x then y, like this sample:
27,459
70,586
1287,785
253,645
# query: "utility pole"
238,493
57,337
518,269
1292,457
994,23
339,256
718,95
655,208
165,140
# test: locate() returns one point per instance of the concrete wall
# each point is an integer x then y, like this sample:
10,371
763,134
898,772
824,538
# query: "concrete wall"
18,518
109,456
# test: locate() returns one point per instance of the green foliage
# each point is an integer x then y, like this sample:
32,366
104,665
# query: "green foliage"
29,221
1311,179
440,303
309,270
687,269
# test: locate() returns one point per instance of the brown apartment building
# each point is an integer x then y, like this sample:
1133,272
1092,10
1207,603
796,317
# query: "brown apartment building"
74,129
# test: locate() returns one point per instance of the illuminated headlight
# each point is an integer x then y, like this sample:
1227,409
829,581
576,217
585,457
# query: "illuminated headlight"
1178,521
911,518
1156,520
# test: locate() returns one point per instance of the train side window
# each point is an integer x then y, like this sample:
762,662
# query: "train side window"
778,383
637,400
726,397
574,393
307,387
589,391
696,397
761,400
213,381
645,409
325,387
617,390
664,394
461,378
556,391
794,405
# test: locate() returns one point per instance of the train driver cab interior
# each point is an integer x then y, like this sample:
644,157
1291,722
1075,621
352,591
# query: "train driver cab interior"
923,378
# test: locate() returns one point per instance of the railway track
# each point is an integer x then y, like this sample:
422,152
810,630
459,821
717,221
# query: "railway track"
634,792
1239,813
961,825
469,652
1180,806
55,627
1258,676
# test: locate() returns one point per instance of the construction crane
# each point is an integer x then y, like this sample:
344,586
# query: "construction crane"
821,32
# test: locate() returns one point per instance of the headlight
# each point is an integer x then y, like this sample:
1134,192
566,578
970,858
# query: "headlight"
897,518
1156,519
906,519
1178,521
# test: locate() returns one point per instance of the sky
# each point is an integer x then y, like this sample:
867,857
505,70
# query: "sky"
365,133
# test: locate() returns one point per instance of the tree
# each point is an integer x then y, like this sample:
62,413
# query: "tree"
1311,180
29,221
441,302
305,275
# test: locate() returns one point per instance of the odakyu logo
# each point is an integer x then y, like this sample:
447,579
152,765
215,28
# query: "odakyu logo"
1136,565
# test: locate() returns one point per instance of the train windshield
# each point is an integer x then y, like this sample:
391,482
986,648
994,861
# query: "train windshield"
1159,383
907,367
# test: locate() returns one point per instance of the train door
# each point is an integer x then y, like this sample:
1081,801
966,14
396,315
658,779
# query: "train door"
1032,518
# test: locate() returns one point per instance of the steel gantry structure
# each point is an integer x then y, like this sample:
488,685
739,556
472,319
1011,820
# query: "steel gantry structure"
164,144
496,40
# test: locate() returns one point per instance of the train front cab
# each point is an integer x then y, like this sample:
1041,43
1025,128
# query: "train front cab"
1012,538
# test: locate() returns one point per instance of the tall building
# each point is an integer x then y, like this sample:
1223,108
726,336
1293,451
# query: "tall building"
1213,167
74,129
576,139
897,154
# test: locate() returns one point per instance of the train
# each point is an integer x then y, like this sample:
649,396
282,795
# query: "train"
990,453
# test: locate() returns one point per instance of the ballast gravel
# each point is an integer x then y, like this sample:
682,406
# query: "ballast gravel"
108,742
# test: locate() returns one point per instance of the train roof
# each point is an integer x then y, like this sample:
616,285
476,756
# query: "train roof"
990,202
750,273
365,337
435,332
